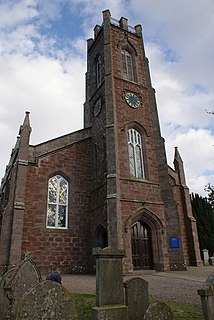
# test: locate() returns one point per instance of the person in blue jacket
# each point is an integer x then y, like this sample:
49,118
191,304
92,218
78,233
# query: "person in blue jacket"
55,275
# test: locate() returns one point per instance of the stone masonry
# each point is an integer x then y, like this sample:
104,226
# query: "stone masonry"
148,216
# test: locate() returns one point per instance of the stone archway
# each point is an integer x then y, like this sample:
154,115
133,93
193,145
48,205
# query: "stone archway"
152,235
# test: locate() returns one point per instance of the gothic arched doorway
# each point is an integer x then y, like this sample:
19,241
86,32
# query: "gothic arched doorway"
141,246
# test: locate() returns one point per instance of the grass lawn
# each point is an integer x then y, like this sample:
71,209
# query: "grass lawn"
85,302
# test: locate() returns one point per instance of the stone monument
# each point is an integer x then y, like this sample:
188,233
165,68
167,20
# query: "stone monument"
137,297
48,300
14,284
158,311
109,285
207,298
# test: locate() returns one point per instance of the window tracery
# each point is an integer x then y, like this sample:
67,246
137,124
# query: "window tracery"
135,153
127,65
57,211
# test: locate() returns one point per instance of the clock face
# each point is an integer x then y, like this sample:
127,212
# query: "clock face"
132,100
97,107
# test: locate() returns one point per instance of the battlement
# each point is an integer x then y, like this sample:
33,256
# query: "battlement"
122,23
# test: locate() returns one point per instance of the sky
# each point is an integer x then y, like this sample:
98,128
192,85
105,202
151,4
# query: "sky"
43,65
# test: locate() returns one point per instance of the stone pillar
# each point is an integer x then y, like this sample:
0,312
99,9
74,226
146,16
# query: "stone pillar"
206,257
207,298
123,23
109,285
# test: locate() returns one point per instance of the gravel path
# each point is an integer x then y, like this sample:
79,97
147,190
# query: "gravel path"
179,286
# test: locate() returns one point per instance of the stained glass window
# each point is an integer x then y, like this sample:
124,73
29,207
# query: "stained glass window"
127,65
57,212
135,154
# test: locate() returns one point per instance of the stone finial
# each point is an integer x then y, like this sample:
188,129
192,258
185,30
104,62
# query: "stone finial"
27,118
96,30
89,43
28,255
26,123
24,132
179,168
177,155
123,23
106,15
138,30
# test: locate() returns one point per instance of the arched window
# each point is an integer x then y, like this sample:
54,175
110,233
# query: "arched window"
135,154
127,65
102,238
98,70
57,212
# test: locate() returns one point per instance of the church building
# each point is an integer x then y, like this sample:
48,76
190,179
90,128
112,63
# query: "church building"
105,185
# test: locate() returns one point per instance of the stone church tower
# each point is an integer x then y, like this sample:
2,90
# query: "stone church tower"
105,185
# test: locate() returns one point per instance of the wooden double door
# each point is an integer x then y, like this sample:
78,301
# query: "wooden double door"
141,246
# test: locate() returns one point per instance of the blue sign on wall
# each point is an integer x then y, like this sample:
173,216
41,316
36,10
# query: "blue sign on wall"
174,243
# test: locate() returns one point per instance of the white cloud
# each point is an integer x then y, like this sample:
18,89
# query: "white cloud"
184,121
19,40
196,148
54,98
13,13
38,75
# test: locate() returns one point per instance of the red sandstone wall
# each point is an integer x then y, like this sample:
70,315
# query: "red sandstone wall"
70,248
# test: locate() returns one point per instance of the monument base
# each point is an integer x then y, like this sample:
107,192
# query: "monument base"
111,312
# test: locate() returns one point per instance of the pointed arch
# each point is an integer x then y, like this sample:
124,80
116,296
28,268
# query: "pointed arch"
157,234
126,44
101,236
127,65
136,125
57,208
147,216
128,55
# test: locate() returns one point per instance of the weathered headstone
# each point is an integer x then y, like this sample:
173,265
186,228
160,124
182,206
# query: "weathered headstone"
158,311
211,261
14,284
4,299
206,257
109,285
137,297
207,298
48,300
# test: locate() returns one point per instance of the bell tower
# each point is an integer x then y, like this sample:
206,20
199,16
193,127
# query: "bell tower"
133,201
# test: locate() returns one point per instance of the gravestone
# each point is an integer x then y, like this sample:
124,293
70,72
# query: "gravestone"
14,284
109,285
211,260
207,298
4,299
48,300
137,297
206,257
158,311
